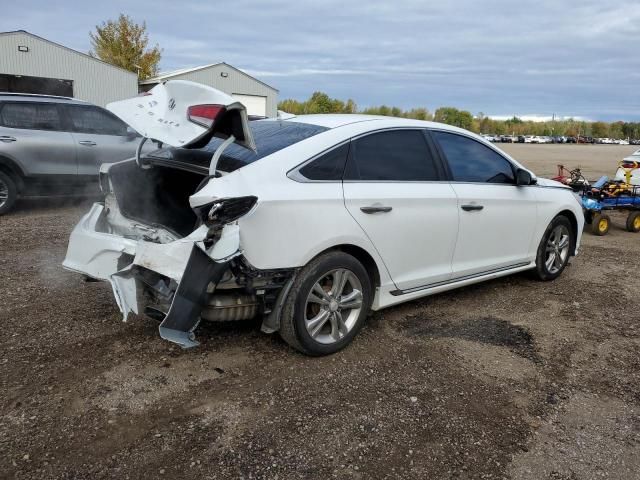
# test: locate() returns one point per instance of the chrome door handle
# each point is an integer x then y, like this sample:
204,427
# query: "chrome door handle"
87,143
375,209
7,139
472,207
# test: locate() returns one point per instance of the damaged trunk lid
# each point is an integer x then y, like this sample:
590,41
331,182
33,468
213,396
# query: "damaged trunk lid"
186,114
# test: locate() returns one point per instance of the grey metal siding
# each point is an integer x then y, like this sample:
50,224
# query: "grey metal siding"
94,81
235,82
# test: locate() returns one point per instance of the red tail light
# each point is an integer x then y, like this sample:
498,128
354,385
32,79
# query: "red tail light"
204,115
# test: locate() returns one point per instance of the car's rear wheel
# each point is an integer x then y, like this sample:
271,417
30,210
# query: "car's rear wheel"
8,193
554,250
327,305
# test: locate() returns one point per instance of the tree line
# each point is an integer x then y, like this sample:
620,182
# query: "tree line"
320,102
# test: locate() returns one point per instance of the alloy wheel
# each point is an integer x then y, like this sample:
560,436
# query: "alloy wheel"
333,306
4,193
557,250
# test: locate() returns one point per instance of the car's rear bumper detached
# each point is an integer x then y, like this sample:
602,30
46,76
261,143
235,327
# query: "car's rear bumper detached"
126,264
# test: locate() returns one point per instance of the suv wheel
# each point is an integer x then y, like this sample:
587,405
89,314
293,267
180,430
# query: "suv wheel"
554,249
327,305
8,193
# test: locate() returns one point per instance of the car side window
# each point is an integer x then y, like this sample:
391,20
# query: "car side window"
87,119
471,161
31,116
329,166
393,155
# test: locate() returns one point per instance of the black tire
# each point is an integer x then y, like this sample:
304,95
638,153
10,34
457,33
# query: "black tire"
600,224
292,322
588,217
633,222
542,271
7,188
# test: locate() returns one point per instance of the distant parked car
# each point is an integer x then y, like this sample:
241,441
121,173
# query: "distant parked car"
572,140
55,145
584,139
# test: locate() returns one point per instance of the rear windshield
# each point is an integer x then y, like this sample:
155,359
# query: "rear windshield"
270,136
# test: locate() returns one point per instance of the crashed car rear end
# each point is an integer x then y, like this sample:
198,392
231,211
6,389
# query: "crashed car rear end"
163,254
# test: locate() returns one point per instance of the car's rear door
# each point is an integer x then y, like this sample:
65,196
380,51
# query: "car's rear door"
497,217
100,137
393,188
33,134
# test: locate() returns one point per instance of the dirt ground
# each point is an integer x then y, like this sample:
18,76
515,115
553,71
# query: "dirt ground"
594,160
512,378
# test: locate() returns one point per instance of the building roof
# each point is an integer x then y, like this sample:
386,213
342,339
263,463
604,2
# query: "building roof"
175,73
13,32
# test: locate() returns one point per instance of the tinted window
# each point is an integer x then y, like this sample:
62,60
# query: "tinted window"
35,116
329,166
95,120
471,161
270,136
398,155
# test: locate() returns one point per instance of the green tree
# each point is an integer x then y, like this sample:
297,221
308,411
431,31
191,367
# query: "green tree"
599,129
124,43
453,116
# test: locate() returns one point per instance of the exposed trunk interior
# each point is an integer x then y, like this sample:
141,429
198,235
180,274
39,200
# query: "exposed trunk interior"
156,196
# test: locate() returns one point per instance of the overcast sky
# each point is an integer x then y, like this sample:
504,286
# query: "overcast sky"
503,58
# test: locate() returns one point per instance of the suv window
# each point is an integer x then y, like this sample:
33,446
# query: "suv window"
87,119
329,166
32,116
471,161
396,155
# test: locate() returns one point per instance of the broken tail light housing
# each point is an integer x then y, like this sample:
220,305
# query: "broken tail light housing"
224,211
204,115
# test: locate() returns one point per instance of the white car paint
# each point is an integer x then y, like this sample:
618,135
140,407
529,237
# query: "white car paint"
161,113
425,245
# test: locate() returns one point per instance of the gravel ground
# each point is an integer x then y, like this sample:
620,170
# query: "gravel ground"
509,379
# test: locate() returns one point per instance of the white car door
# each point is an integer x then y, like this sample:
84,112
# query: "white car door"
497,217
392,189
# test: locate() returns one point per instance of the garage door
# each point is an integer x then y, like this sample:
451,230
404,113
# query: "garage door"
254,104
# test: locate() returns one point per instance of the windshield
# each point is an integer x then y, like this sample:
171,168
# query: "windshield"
270,136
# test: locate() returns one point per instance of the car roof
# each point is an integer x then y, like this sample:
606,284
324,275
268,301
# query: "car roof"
335,120
33,97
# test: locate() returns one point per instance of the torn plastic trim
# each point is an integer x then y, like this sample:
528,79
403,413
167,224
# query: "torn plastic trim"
191,297
271,322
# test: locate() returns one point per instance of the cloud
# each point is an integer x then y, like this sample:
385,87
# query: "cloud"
545,56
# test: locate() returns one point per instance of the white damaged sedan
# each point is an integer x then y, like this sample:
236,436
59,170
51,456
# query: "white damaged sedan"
308,222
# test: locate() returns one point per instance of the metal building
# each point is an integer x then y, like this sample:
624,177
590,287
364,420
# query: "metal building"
259,98
32,64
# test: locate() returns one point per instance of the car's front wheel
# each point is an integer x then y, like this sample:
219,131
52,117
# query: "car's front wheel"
327,305
8,193
554,250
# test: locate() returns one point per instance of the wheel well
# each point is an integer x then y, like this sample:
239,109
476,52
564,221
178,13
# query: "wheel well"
574,226
8,167
363,257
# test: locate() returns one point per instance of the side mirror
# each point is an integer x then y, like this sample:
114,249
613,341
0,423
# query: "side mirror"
524,177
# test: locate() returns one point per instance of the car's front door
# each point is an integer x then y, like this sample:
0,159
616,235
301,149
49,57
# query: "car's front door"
393,189
32,134
100,137
497,217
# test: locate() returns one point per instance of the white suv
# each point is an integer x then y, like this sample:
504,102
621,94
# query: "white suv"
313,221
